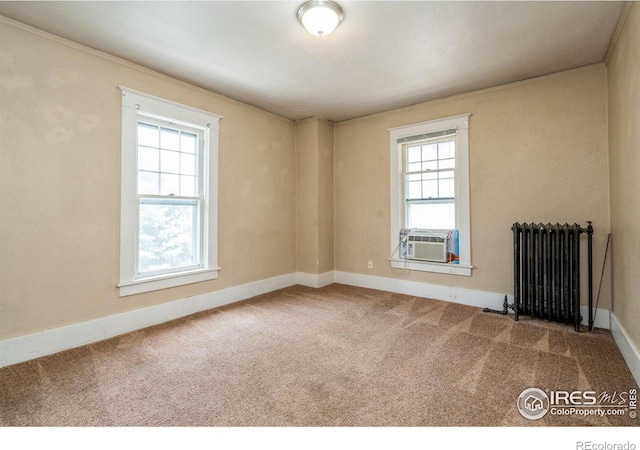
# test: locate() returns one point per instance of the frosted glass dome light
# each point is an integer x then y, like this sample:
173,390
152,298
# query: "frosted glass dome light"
320,17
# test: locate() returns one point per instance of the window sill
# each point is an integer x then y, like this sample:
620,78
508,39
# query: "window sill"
166,281
424,266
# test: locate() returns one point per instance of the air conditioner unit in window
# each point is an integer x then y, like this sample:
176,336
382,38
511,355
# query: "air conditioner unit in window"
427,247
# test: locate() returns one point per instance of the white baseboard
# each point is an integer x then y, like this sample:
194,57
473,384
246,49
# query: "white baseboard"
629,351
25,348
452,294
471,297
315,280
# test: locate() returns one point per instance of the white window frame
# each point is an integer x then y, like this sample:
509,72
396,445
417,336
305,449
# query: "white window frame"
461,124
138,106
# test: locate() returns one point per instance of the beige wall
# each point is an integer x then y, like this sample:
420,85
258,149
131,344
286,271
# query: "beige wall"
288,193
60,172
325,196
624,156
307,196
538,152
314,196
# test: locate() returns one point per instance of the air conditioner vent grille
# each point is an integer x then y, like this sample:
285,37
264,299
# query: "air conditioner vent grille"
418,238
427,247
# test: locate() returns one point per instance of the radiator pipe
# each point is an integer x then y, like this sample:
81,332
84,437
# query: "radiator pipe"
590,268
516,269
504,311
576,275
604,263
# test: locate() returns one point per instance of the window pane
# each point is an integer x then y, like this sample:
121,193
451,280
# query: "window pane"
447,149
446,174
414,190
167,238
430,189
169,139
188,186
148,183
188,143
430,176
148,159
447,188
430,152
169,161
447,163
438,216
430,165
148,135
413,154
188,164
169,184
414,167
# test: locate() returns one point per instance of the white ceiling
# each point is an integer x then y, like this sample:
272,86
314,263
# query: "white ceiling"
385,54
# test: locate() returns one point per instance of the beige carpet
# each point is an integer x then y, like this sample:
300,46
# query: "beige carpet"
337,356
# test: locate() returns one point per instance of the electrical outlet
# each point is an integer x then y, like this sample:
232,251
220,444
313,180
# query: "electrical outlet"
369,264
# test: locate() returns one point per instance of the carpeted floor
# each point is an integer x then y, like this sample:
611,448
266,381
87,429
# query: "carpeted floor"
336,356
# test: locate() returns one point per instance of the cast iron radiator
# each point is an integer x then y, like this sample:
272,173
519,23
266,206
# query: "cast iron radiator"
546,261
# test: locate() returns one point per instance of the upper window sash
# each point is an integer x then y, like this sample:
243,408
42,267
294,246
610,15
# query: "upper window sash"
428,162
188,149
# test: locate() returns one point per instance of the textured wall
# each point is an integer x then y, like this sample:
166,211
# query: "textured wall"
325,196
60,174
314,196
307,196
624,155
538,152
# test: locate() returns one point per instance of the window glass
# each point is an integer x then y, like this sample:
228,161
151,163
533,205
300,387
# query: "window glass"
167,161
430,184
167,227
437,216
167,236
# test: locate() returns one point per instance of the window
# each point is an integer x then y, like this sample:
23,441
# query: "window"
429,183
169,194
430,187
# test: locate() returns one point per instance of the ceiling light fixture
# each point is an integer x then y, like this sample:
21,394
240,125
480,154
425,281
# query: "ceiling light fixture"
320,17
